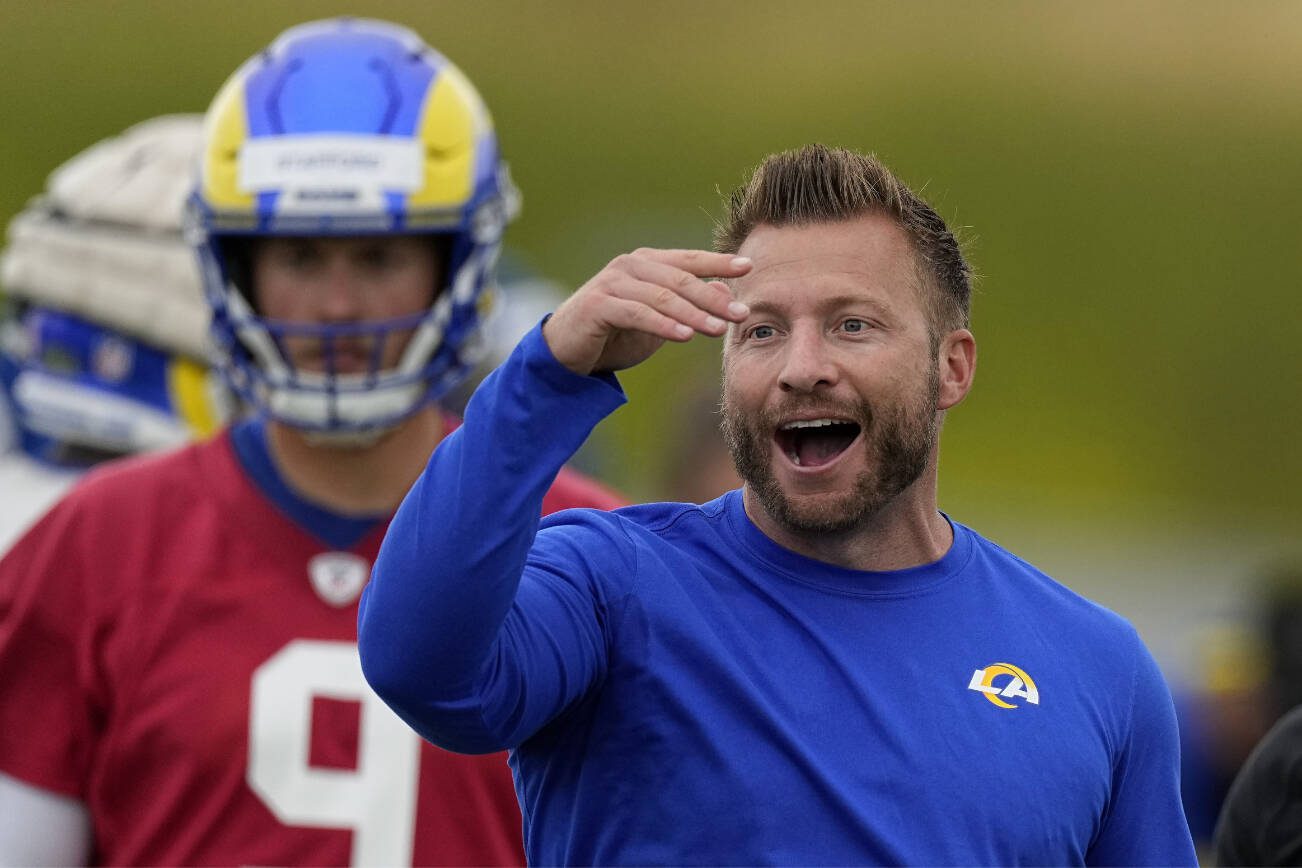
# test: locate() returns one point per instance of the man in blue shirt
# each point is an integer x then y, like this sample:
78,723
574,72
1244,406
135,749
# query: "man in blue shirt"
819,668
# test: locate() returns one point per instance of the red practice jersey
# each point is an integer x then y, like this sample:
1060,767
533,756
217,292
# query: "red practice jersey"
182,658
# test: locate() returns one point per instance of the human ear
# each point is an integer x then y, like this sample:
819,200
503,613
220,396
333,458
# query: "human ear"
957,360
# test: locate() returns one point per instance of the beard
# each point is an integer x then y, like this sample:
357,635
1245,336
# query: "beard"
898,440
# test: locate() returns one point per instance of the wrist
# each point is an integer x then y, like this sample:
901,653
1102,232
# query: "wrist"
555,340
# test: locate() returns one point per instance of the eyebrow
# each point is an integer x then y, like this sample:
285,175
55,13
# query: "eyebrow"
834,303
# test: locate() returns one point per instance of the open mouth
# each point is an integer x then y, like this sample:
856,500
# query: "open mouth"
815,442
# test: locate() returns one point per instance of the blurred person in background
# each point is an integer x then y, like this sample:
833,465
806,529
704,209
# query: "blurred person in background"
700,466
1249,676
820,668
104,347
1260,822
1222,717
177,636
1281,625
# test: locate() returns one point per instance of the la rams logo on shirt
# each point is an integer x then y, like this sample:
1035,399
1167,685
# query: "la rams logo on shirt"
1017,686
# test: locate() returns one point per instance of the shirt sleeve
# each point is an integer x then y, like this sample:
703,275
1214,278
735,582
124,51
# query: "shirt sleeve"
469,637
1144,823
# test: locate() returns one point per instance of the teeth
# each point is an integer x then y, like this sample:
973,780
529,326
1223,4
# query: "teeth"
811,423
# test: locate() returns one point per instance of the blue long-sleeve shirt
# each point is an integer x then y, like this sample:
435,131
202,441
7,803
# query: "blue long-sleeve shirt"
676,688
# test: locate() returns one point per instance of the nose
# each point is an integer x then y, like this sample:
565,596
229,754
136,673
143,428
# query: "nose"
339,294
808,364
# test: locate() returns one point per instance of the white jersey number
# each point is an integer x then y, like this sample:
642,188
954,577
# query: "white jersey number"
378,800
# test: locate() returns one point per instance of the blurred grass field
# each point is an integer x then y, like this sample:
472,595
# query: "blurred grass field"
1128,176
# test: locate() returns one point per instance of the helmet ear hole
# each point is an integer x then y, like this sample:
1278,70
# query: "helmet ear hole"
236,253
443,245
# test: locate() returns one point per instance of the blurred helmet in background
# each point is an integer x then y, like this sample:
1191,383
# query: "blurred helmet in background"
349,127
104,336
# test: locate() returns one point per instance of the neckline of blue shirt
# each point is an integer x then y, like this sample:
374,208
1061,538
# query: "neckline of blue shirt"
906,582
333,529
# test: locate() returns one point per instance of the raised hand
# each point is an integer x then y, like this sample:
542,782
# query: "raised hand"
626,312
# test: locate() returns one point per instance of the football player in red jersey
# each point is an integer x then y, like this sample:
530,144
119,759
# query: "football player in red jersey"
177,636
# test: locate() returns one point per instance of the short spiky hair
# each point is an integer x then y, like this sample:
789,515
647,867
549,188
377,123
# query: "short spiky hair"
818,184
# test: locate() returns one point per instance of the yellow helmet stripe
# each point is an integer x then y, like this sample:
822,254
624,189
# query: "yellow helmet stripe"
451,122
226,131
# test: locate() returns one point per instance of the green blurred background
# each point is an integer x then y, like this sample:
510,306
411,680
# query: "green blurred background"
1128,177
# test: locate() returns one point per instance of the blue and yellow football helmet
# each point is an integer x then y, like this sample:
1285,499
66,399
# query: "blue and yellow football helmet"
349,127
82,392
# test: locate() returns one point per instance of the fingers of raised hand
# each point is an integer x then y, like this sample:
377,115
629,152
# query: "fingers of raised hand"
701,306
701,263
630,315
